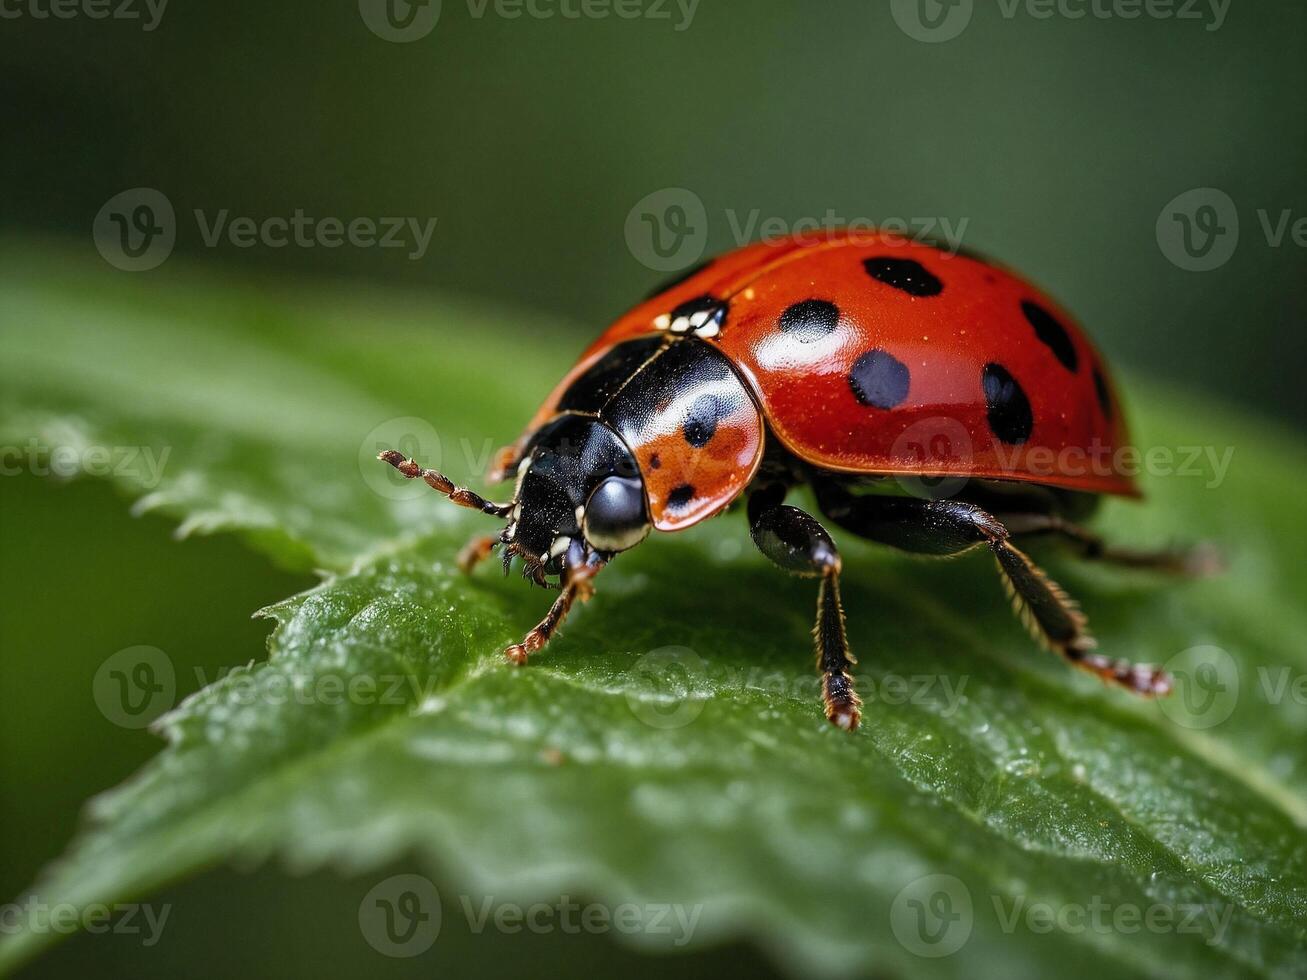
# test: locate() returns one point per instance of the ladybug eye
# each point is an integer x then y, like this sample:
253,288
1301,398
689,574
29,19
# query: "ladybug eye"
615,515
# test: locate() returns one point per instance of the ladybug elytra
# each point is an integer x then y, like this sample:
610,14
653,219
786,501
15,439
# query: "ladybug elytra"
875,370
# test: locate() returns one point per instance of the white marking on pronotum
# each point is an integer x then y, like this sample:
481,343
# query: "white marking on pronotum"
662,321
708,330
522,468
560,546
580,513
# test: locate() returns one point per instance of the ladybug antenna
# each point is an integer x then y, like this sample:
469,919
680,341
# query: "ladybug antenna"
442,484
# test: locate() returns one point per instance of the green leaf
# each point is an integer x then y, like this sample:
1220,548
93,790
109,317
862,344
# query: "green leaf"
670,747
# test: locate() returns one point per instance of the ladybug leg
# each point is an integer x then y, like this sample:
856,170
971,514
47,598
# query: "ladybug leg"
1199,561
504,463
577,585
950,527
798,543
475,552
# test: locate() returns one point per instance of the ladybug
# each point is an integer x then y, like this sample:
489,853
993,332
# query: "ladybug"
933,402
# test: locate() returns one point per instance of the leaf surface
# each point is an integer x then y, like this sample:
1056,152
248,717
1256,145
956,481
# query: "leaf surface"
669,748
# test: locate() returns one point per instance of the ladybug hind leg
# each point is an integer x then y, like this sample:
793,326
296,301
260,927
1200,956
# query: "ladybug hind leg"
951,527
1197,561
796,542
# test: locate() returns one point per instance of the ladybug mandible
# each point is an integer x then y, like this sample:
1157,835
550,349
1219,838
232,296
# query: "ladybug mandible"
828,363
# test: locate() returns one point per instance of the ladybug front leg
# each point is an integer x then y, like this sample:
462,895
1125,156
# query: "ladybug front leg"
798,543
950,527
577,584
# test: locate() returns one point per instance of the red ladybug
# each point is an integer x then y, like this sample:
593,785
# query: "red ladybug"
869,368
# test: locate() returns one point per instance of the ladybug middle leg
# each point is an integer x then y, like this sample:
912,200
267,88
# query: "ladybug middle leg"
797,543
950,527
476,551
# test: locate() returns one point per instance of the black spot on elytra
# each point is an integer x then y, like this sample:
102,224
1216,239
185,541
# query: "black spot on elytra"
1010,417
905,274
1052,333
810,320
701,420
1104,393
680,497
879,379
655,462
679,278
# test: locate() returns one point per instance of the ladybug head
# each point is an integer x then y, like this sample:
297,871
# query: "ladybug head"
579,498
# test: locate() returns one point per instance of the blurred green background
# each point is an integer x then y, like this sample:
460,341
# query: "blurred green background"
1054,143
1058,141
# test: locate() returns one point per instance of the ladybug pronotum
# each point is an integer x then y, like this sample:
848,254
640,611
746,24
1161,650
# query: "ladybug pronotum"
827,362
